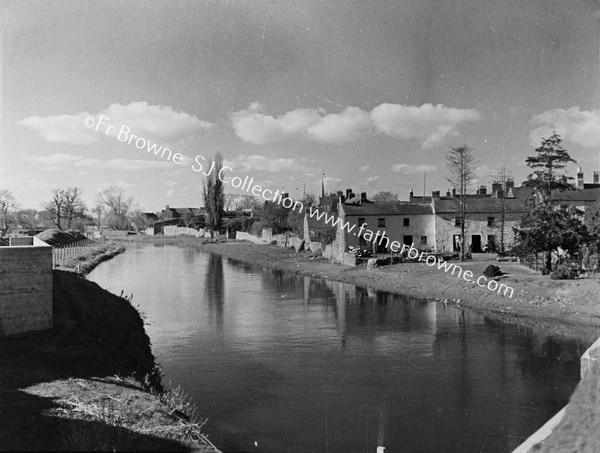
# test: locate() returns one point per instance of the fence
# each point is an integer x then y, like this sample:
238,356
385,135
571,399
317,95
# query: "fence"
59,253
586,259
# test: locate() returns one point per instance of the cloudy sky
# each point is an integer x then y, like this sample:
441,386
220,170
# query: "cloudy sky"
370,93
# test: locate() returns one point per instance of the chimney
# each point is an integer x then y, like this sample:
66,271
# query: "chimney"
596,177
509,193
482,190
348,193
363,196
453,192
579,178
285,195
435,194
496,186
448,192
167,207
509,184
411,193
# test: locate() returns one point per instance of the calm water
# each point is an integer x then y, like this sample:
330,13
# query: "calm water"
285,363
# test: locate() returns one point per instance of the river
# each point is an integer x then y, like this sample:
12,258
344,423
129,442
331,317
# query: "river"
285,363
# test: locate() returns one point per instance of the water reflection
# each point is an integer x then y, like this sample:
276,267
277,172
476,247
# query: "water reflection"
281,362
214,289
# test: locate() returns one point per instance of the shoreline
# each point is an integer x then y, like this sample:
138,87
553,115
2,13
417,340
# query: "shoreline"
563,307
85,262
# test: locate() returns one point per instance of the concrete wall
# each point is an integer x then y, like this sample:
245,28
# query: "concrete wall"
244,236
25,288
182,231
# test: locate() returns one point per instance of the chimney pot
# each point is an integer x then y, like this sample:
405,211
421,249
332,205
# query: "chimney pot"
363,196
596,177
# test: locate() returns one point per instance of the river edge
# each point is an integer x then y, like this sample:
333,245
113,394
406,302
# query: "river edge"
91,382
568,308
85,262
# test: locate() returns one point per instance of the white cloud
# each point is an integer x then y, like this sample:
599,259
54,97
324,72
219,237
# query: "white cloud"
581,127
428,124
62,162
372,178
257,162
144,120
407,169
62,128
346,126
364,167
257,128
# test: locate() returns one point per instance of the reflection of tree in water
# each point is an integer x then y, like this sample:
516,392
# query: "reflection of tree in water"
214,289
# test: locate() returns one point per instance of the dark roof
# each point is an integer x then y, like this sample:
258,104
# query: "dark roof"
477,205
587,195
388,208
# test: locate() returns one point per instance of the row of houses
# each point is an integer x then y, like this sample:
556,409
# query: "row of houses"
432,222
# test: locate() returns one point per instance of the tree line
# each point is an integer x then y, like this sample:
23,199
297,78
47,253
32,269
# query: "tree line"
66,210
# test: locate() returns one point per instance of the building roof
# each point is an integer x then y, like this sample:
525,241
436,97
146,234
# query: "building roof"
480,205
388,208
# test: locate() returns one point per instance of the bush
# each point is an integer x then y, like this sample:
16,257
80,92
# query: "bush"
564,273
492,271
256,229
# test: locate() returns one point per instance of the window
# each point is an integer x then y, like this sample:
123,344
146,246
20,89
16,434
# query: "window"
491,222
406,221
423,240
456,221
381,223
361,221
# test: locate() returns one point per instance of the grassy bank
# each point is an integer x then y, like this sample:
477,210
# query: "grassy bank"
79,386
85,262
565,307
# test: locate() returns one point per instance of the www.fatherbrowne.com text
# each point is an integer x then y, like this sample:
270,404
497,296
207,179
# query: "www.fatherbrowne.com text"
247,185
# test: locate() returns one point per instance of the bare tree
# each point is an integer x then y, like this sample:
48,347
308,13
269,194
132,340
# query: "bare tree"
385,196
117,204
74,207
66,204
8,206
27,218
56,207
460,163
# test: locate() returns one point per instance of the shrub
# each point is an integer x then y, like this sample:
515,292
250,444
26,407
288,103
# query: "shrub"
564,273
492,271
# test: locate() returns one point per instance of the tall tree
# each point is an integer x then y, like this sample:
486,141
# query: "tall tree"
548,225
117,204
460,163
214,195
56,207
66,204
548,167
74,206
8,206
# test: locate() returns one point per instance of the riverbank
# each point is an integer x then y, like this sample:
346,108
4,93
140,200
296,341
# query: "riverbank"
565,307
85,262
79,386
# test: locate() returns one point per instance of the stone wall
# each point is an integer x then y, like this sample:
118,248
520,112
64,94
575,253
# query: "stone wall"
171,230
25,288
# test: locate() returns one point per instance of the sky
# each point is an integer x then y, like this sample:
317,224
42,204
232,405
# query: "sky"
366,94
